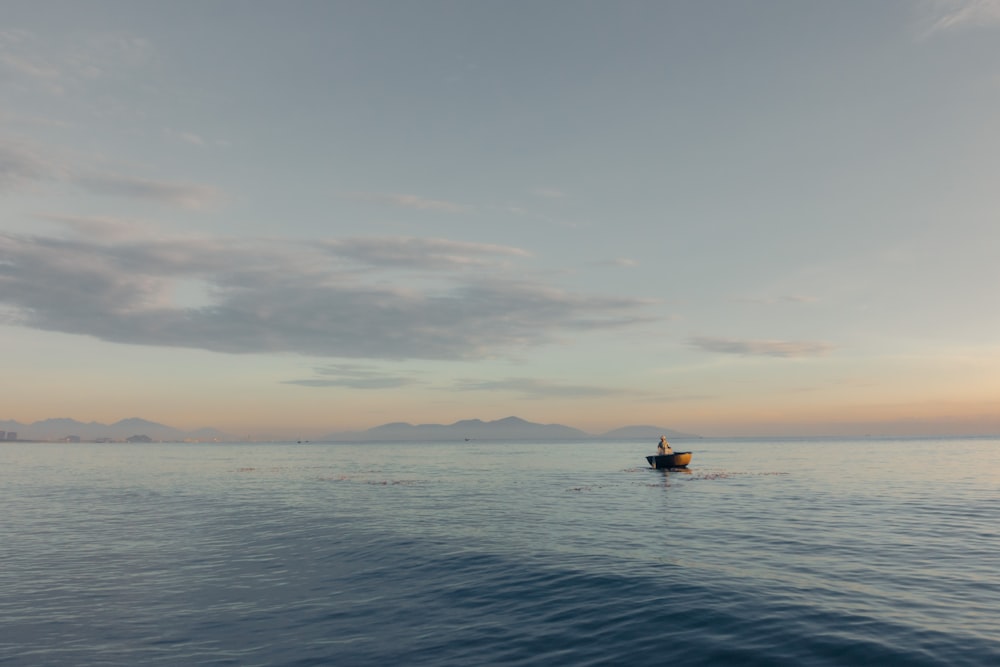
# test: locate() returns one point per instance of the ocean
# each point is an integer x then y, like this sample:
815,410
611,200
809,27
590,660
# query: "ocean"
790,552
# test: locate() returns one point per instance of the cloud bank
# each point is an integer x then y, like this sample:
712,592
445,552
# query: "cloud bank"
375,298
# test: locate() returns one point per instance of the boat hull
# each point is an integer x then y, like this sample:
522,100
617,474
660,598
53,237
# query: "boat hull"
675,460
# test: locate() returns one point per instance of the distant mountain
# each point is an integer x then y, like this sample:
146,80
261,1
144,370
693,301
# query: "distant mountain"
644,432
59,429
509,428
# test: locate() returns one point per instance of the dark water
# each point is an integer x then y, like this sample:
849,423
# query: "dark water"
764,553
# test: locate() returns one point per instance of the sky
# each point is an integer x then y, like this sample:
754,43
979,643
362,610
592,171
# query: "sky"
292,218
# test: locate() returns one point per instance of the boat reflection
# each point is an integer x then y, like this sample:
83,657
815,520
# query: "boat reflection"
680,471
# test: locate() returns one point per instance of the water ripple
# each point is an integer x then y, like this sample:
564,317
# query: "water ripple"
286,555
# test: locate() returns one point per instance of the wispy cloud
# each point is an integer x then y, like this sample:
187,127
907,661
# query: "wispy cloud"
536,216
186,195
768,301
28,68
276,296
424,253
9,118
34,62
764,348
619,262
533,388
353,376
413,202
24,66
103,228
21,165
184,137
945,15
25,165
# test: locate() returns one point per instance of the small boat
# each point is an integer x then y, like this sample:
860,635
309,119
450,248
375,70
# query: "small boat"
675,460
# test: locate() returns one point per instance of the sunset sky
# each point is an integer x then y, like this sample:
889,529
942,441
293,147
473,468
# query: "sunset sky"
290,218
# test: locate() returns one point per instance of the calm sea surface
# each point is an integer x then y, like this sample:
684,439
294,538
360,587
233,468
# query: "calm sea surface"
808,552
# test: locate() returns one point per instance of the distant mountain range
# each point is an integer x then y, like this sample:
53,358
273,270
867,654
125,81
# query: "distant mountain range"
510,428
60,429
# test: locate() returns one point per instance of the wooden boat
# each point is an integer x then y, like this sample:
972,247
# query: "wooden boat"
675,460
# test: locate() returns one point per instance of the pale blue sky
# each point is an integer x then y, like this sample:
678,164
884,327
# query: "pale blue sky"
298,217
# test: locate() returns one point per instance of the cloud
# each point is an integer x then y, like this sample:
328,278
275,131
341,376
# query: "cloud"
532,388
276,296
18,63
764,348
770,301
946,15
548,193
186,195
353,376
185,137
14,36
36,61
27,68
10,119
424,253
413,202
22,164
105,228
618,262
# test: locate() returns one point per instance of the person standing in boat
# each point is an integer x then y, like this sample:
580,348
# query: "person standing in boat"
664,447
